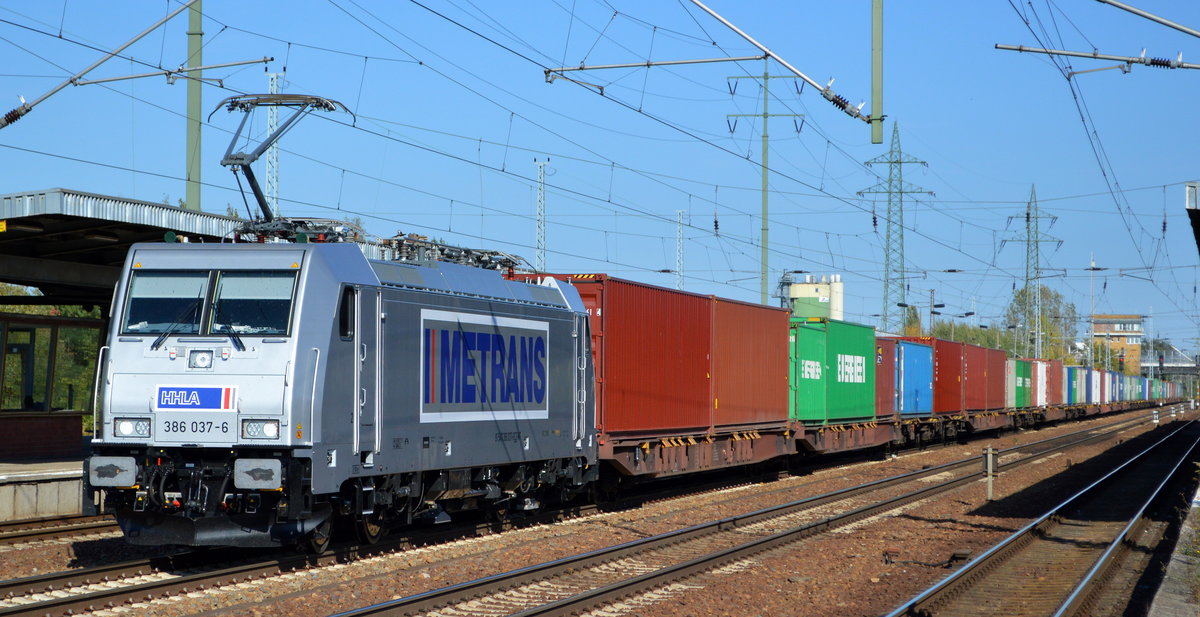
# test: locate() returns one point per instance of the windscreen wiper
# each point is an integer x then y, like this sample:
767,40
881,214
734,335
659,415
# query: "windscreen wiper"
175,324
233,336
236,340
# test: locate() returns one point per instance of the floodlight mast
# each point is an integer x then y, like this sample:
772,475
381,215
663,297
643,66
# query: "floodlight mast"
241,161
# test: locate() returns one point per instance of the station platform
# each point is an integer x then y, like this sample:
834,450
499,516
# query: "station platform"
1176,596
40,489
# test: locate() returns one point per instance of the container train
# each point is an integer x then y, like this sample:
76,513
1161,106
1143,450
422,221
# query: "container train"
252,394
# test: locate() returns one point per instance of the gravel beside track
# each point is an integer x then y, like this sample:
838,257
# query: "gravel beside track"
1038,570
844,569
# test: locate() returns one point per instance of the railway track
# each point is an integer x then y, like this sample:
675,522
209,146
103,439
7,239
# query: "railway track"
591,580
1058,564
141,580
19,532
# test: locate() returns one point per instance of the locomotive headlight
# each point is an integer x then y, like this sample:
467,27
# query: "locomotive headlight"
200,358
131,427
260,429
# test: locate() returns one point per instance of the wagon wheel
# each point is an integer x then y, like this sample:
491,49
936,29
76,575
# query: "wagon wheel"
369,528
318,540
497,514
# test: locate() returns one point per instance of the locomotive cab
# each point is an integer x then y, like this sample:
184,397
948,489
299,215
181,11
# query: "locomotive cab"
197,393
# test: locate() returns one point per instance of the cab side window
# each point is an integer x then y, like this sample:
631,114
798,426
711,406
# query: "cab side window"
346,312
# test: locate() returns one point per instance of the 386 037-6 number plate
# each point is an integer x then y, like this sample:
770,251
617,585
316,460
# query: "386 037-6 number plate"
195,413
195,427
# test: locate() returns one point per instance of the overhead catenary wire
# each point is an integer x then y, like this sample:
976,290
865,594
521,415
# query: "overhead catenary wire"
730,200
673,126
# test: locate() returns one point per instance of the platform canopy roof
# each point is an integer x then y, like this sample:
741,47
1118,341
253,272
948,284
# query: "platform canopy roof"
70,244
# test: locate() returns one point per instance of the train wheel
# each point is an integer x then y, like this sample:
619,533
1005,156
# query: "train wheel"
497,514
369,528
318,540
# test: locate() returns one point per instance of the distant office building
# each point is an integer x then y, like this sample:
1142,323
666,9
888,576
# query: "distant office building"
1123,334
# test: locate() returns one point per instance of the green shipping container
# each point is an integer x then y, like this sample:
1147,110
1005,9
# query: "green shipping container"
832,371
807,353
1024,380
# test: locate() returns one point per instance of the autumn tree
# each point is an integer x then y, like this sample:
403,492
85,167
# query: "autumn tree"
1057,322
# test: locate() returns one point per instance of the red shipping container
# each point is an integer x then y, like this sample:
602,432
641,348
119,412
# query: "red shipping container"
652,349
668,362
1054,380
948,384
983,375
750,364
885,377
994,377
975,386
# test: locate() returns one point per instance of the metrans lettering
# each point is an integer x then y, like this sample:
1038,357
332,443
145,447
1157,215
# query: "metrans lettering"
481,367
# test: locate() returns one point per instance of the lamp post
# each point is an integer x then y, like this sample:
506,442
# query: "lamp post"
997,329
962,316
932,310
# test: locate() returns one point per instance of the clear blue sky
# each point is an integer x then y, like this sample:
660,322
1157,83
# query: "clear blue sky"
452,109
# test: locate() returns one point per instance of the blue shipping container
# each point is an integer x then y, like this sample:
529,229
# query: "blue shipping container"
914,378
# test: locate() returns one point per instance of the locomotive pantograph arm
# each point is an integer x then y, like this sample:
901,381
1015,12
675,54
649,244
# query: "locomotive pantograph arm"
302,103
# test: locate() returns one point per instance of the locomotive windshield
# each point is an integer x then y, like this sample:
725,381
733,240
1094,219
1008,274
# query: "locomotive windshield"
235,302
253,302
162,301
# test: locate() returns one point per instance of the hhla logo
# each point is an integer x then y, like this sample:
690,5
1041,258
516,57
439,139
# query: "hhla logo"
178,398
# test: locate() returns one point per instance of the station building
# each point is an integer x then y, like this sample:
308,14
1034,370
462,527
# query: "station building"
1123,334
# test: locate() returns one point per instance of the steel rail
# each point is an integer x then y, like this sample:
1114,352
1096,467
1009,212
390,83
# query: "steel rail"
52,531
921,604
1080,597
44,583
135,592
435,599
255,568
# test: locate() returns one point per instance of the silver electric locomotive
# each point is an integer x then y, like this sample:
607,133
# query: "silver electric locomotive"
250,394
